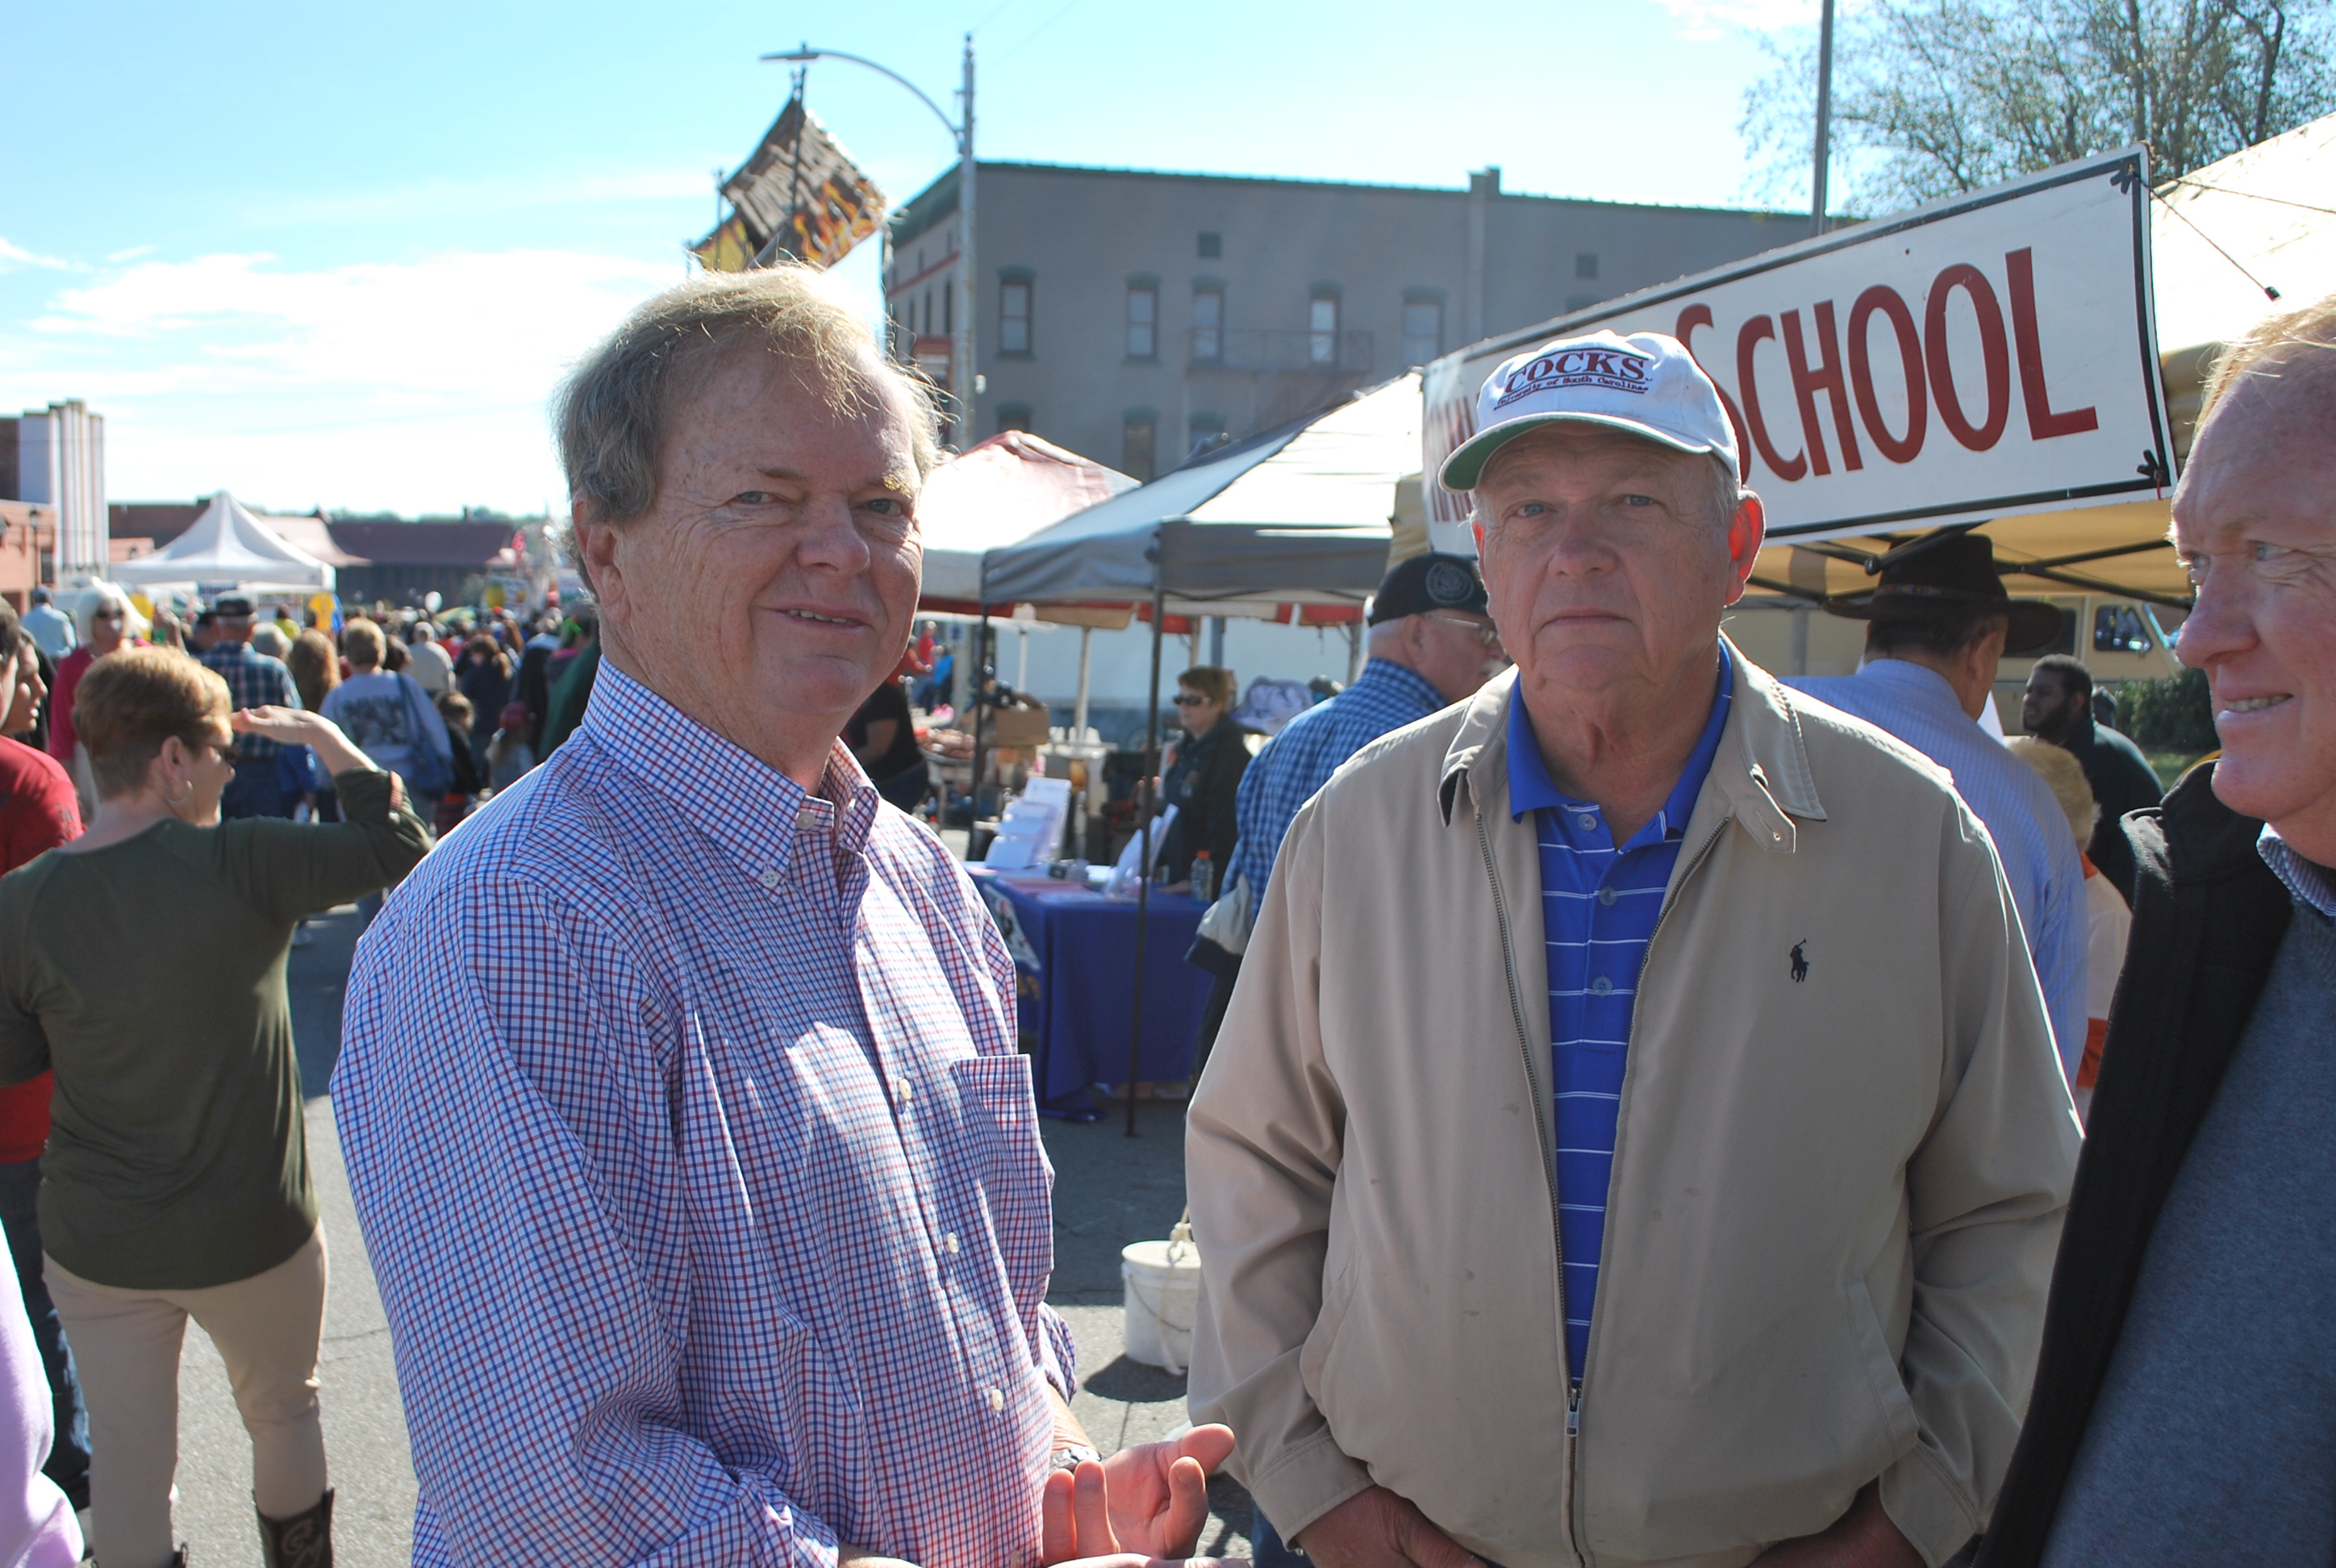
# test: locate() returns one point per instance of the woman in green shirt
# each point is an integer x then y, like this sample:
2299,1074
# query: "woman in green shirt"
145,963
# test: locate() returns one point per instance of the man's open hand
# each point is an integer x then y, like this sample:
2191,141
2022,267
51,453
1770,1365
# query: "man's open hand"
1151,1500
1377,1529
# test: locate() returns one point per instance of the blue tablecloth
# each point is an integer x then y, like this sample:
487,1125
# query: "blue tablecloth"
1075,952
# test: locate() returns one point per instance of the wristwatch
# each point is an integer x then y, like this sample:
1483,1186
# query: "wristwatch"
1071,1458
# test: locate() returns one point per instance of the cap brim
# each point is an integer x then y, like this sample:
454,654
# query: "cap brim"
2035,624
1461,469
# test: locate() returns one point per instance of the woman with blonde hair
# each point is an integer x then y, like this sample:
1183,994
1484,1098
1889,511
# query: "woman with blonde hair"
175,1182
2108,922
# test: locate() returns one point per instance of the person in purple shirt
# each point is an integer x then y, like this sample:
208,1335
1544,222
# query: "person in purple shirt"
701,1177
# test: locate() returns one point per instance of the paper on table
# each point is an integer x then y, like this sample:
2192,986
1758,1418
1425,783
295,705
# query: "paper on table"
1131,869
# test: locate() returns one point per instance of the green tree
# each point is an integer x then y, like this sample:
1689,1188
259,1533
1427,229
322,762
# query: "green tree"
1933,98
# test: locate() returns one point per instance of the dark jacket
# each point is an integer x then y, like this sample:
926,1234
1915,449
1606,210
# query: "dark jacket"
1202,787
2207,919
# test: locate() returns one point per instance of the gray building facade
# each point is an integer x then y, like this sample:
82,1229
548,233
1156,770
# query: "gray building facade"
1136,318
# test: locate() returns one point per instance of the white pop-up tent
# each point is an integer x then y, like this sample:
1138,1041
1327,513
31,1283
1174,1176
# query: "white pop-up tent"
227,547
996,494
1297,516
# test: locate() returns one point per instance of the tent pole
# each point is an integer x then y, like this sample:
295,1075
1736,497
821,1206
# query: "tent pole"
1079,713
1144,817
980,735
1354,650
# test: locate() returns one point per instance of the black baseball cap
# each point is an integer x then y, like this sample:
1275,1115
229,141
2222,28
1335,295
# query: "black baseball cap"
1429,583
234,607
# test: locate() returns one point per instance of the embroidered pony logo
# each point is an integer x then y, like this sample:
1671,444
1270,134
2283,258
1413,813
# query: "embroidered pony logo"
1800,961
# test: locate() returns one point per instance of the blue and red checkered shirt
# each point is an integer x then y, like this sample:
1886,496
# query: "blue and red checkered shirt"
700,1174
1600,903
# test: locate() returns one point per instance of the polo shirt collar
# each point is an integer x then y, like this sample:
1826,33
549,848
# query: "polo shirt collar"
1532,789
747,807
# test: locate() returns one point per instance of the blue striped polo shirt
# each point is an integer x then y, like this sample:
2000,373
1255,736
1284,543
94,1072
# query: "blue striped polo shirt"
1599,905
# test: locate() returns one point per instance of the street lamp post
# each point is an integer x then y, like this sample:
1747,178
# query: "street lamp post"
1824,121
963,383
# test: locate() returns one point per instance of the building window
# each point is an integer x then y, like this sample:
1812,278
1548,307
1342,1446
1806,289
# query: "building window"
1423,330
1143,321
927,329
1014,316
1013,416
1322,330
1208,324
1585,264
1211,245
1139,438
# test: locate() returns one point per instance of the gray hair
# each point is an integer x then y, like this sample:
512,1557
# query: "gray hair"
613,413
104,596
2269,345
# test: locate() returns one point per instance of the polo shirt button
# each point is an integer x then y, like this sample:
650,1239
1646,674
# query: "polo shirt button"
1606,895
997,1399
1601,986
1585,821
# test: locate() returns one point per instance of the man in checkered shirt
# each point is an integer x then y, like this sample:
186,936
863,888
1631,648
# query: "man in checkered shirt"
679,1090
253,680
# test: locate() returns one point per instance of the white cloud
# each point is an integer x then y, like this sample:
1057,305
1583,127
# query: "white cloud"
1701,19
133,254
411,385
15,255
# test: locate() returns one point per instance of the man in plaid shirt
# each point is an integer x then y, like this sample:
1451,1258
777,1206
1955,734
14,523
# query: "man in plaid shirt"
1432,645
253,680
679,1090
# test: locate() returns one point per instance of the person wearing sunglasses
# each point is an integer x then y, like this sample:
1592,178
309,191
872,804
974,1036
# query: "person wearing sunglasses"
143,964
106,622
1204,777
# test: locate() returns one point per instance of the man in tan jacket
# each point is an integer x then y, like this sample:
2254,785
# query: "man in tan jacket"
1636,1137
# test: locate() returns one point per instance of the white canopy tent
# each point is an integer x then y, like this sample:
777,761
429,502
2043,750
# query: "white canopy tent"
1298,515
227,547
996,494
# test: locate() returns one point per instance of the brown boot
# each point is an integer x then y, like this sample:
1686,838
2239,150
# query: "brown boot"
302,1540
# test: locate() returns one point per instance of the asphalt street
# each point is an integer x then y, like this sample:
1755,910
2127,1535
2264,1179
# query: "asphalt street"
1109,1190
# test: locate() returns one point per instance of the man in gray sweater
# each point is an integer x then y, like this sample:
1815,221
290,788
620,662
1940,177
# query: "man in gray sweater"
2184,1406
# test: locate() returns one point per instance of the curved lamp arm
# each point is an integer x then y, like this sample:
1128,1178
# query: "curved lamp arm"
807,53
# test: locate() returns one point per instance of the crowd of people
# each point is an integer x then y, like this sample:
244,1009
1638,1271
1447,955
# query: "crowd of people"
1658,1113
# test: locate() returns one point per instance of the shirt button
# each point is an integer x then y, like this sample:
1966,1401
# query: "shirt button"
997,1399
1606,895
769,877
1585,821
1601,986
905,1089
948,1243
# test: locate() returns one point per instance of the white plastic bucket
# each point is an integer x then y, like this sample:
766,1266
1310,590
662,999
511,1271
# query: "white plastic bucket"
1161,1285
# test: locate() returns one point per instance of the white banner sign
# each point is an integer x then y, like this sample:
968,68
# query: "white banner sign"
1989,355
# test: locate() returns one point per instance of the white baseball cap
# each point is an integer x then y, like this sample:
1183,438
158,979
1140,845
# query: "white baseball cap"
1645,383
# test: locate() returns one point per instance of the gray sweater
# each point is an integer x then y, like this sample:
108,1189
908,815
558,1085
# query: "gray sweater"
2215,1438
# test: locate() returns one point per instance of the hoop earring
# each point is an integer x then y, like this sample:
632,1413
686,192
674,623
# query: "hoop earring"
182,800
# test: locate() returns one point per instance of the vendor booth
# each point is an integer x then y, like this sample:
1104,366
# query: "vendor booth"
1990,364
226,548
1294,522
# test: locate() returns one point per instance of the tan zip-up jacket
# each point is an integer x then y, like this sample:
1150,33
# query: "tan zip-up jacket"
1836,1193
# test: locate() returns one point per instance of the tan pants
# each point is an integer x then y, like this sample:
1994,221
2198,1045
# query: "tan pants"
126,1344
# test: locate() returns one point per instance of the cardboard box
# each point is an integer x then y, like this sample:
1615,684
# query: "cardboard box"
1015,726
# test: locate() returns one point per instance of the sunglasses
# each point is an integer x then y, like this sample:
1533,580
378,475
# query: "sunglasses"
1487,634
1189,699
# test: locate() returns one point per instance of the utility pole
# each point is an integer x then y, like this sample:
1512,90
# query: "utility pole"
965,383
1825,120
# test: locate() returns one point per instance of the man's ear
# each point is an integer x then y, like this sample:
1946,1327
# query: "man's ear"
596,548
1745,531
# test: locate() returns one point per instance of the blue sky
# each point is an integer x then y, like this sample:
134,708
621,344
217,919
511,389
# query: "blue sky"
340,255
